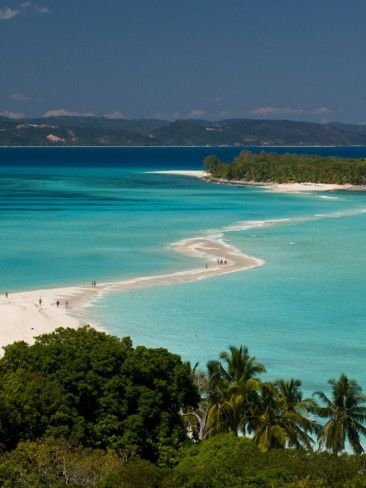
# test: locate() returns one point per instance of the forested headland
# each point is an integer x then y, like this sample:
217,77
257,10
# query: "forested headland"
81,408
271,167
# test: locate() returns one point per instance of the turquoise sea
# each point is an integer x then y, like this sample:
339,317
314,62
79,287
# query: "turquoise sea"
71,215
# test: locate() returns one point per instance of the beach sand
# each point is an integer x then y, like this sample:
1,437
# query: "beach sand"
275,187
299,187
179,172
23,318
287,187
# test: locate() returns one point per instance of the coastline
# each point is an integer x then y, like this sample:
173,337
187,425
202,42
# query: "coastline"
288,187
24,318
274,187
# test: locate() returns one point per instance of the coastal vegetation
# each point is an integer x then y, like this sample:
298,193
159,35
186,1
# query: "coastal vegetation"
288,168
81,408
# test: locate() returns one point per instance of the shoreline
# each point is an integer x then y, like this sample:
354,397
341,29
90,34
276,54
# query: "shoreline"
23,318
274,187
288,187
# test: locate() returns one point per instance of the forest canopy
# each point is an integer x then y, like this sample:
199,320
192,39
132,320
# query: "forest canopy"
84,409
288,168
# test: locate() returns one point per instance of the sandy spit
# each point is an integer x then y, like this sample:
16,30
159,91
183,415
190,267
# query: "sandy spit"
25,315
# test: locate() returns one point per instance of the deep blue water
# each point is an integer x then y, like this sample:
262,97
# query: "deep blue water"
71,215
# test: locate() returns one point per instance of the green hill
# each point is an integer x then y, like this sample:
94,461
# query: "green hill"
100,131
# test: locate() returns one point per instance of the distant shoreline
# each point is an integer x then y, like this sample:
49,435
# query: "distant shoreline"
275,187
55,146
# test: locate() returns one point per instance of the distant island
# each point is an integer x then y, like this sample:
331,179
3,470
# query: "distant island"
266,167
101,131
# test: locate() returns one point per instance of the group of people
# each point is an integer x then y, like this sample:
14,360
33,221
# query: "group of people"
94,284
58,303
220,262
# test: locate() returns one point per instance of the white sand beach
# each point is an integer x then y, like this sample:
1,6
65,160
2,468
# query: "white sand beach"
23,317
300,187
193,173
275,187
288,187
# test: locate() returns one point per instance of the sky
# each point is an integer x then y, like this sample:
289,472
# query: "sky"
173,59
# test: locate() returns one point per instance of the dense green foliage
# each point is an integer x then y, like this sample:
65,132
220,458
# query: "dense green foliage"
101,131
224,461
80,408
288,168
95,389
229,461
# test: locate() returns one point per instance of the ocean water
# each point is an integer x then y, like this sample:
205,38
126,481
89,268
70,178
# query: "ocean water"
69,216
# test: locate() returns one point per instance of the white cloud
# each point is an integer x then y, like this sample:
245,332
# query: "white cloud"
195,113
215,100
12,115
8,13
323,110
114,115
43,9
61,112
268,111
224,113
19,97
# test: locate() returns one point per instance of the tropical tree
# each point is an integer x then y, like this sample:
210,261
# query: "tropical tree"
346,414
233,386
281,417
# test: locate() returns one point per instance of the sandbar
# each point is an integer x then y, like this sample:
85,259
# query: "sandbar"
24,318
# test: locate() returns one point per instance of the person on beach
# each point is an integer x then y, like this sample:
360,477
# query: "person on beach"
66,304
6,294
40,301
225,262
58,303
206,265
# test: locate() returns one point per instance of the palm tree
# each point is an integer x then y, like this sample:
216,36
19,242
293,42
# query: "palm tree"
291,396
232,385
214,413
346,414
240,366
281,417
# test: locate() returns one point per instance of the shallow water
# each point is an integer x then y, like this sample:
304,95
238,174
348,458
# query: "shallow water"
70,216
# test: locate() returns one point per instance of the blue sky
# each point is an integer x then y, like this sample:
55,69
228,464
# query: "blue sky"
286,59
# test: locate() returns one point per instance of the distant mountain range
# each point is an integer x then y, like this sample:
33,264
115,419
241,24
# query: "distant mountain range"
100,131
